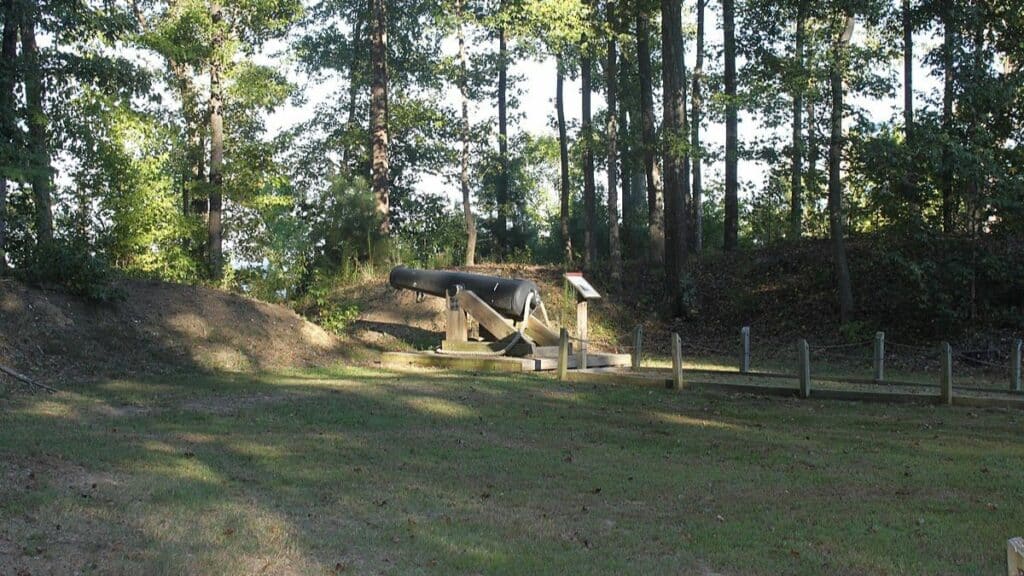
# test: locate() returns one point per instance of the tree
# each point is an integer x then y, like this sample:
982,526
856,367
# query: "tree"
379,113
502,193
675,146
8,127
40,170
835,155
587,135
563,156
467,206
611,84
731,126
652,175
796,213
215,228
697,103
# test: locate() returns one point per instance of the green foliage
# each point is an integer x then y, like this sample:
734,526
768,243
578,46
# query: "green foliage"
72,265
321,306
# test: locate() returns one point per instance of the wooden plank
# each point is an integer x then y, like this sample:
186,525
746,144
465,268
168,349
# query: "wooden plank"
879,356
1015,360
456,330
540,333
563,354
581,330
745,349
519,349
488,317
401,360
946,380
638,347
804,368
677,361
1015,557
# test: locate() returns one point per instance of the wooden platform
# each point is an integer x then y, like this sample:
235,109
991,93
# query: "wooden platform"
544,358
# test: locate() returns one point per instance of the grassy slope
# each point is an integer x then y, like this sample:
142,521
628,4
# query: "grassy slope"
438,473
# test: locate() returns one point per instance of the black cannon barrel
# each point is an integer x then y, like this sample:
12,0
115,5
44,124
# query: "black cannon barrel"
508,296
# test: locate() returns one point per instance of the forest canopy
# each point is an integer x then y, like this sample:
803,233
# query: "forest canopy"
144,138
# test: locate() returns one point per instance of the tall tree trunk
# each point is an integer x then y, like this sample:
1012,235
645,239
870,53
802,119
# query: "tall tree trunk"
732,214
626,175
467,206
563,156
948,72
655,200
908,70
501,233
194,172
7,114
796,211
677,173
611,80
835,185
355,71
589,200
697,104
39,151
215,230
379,114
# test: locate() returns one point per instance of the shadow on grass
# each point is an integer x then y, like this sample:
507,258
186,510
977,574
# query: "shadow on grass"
459,473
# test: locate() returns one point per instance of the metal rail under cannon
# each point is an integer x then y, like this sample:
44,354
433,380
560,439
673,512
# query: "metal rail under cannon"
512,323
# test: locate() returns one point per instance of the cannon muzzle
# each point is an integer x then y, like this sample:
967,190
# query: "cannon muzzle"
511,297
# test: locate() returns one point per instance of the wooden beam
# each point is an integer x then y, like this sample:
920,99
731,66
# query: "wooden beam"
540,333
488,317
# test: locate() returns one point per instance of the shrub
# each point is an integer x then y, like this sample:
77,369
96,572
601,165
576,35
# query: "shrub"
75,267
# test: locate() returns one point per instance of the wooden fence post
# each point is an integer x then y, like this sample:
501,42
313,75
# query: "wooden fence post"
879,356
638,347
677,361
745,349
563,354
946,380
1015,383
804,368
1015,556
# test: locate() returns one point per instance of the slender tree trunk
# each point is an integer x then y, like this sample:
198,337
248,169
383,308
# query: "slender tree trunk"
7,114
948,43
611,80
467,206
697,104
355,72
835,185
501,233
655,200
677,173
215,231
732,214
39,151
796,211
379,113
908,70
626,181
193,174
812,148
589,200
563,156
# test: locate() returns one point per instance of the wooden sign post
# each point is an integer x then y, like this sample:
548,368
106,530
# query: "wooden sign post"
584,293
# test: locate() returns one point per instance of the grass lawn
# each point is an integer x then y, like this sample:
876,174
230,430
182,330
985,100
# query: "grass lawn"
372,472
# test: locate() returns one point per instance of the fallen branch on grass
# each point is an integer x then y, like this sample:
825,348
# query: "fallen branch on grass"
19,376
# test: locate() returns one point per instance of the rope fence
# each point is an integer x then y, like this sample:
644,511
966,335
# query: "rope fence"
868,355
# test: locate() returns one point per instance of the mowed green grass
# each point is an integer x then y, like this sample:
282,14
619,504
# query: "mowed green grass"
360,471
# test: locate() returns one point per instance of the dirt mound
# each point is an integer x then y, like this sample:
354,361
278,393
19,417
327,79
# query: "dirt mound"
159,328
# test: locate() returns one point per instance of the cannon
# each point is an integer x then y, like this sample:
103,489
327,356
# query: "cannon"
513,298
510,312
